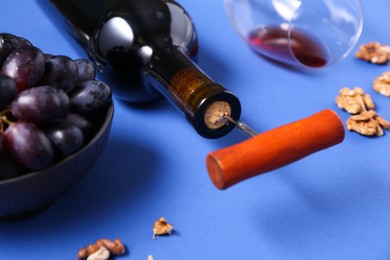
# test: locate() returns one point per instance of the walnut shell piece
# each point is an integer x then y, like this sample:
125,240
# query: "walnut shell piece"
354,101
162,227
382,84
374,52
368,123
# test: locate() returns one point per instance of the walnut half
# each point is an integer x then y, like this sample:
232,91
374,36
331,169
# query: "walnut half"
354,101
368,123
374,52
382,84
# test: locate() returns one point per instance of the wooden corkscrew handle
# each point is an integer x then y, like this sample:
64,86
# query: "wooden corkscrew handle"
274,149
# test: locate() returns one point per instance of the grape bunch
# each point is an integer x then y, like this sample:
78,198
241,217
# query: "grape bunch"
49,106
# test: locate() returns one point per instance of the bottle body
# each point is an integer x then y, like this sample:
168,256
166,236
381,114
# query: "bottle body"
146,50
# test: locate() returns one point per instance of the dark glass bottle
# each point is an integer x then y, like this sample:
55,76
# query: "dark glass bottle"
146,49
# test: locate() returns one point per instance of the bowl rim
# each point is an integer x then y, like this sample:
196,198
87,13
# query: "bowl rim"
106,123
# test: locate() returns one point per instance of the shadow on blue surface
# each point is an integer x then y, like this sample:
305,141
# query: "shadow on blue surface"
111,190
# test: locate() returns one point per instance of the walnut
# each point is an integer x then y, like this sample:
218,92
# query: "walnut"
382,84
368,123
162,227
354,101
374,52
114,247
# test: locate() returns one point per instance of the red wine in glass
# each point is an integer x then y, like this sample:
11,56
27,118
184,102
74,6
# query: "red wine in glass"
274,42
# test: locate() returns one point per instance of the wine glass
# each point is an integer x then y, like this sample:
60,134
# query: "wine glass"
304,33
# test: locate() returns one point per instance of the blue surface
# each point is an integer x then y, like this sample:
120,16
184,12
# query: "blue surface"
331,205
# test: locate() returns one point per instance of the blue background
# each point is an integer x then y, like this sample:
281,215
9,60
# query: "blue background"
331,205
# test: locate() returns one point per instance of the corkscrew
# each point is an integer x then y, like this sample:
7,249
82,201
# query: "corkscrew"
273,149
147,50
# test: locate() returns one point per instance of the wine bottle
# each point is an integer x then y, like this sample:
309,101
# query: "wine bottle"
147,50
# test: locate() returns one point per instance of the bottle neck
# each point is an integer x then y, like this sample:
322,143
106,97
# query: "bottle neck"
204,102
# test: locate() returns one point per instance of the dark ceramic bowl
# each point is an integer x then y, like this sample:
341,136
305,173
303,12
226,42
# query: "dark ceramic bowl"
32,192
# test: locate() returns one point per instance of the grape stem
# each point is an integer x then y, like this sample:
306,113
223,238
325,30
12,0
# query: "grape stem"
4,120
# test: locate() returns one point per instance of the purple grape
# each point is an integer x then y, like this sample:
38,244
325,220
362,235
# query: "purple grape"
89,96
40,104
29,146
65,137
88,129
60,71
86,70
7,90
10,42
25,65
